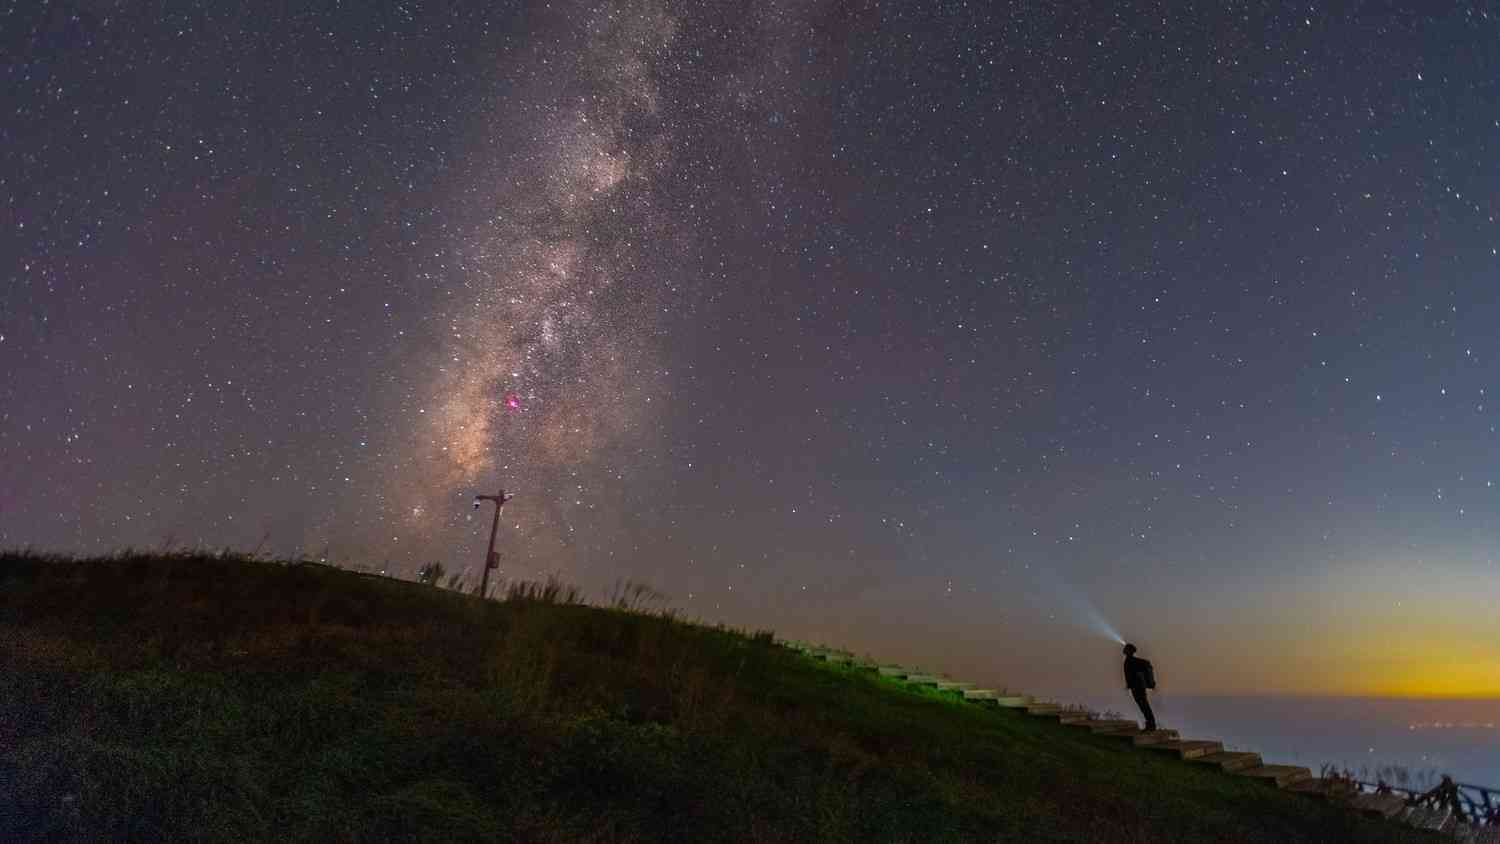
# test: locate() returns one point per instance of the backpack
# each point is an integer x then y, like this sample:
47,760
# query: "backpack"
1148,674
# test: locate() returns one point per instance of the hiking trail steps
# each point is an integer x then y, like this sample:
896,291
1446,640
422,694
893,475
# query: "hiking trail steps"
1294,779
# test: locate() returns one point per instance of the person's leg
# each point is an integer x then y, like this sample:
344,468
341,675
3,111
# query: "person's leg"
1145,705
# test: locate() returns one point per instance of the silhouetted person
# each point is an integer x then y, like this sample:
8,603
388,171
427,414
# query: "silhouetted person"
1139,678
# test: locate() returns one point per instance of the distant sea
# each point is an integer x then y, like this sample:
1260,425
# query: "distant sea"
1457,737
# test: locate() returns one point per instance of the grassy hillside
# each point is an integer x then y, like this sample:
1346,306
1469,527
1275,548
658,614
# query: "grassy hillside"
159,698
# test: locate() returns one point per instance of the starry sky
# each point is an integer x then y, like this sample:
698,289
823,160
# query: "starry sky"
955,333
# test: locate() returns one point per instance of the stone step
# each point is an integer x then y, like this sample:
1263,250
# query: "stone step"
893,671
1189,749
1143,738
1056,712
1231,761
1014,701
1280,776
923,679
953,686
1377,805
982,695
1323,789
1435,818
1097,726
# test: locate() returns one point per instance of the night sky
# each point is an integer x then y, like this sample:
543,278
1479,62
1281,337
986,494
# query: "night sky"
919,329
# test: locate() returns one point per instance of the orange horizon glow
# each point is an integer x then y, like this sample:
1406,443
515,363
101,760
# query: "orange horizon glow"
1357,629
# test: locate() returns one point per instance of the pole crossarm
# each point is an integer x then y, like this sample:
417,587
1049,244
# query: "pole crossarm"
490,559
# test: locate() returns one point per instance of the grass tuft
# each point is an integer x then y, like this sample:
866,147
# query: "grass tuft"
549,591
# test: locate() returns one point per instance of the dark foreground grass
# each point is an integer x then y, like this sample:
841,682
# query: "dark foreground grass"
202,698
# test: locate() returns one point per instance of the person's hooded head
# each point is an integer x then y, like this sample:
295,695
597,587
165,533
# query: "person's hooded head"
1130,650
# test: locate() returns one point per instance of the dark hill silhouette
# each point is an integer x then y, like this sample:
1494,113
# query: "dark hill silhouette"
209,698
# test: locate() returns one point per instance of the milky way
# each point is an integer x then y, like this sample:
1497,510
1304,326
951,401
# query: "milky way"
954,332
551,357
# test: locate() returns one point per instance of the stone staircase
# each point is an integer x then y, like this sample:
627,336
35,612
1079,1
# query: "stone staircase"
1293,779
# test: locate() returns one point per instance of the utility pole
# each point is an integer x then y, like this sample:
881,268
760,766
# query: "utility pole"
491,559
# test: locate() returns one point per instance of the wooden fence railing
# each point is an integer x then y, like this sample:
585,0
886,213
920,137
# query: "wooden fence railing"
1474,804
